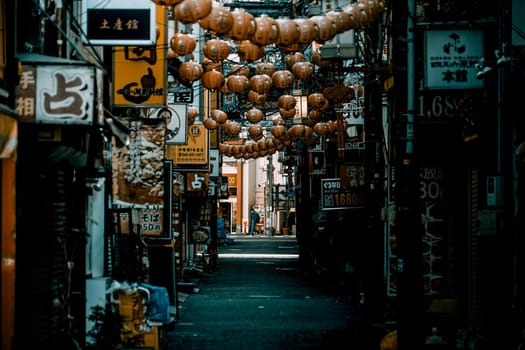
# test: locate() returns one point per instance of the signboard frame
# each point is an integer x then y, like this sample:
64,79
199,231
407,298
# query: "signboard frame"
335,196
450,58
102,18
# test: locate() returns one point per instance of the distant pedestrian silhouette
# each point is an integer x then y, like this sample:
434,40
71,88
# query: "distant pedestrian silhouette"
254,219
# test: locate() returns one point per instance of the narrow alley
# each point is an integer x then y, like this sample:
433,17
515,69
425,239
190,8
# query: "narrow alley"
259,298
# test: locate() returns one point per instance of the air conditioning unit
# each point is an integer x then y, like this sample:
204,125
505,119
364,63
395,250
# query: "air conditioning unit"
490,222
341,46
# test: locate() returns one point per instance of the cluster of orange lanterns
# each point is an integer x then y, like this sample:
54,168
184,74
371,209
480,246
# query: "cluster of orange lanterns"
252,34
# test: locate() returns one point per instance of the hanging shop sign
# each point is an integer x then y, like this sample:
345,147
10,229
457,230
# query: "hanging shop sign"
336,196
119,22
138,169
317,162
180,94
150,220
451,57
139,72
195,152
176,117
352,174
147,219
214,162
232,180
197,182
200,235
223,187
56,94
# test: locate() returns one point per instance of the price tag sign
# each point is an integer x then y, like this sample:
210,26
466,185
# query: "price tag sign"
336,196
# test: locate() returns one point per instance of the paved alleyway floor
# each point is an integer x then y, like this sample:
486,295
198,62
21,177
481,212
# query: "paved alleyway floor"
258,298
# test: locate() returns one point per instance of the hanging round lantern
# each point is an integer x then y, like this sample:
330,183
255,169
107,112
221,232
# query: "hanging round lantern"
370,8
293,58
287,113
249,52
261,83
212,80
216,50
332,125
326,28
171,54
355,15
243,25
208,65
306,29
324,106
190,71
266,30
257,98
265,68
255,131
308,132
190,11
297,131
239,69
192,114
316,100
317,60
263,153
321,128
219,20
314,115
282,79
303,70
287,101
254,147
224,148
219,116
236,150
210,124
364,14
263,145
278,121
288,31
278,130
254,115
342,20
232,128
237,83
183,43
286,139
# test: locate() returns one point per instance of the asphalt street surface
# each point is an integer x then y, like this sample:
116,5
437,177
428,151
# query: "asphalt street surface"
258,298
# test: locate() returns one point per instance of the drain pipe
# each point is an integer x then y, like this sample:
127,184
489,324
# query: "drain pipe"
410,295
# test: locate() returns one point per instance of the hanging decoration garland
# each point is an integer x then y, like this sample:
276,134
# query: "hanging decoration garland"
252,34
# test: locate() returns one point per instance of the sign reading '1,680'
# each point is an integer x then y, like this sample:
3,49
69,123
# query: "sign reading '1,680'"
336,196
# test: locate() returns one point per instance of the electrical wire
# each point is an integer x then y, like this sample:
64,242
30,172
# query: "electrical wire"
98,62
